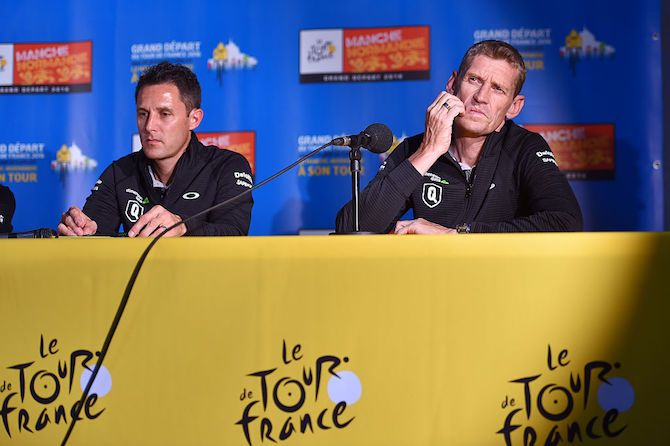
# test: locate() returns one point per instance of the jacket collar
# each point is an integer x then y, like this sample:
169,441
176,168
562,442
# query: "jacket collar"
187,168
486,167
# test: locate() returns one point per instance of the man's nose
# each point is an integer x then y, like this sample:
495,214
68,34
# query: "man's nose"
482,94
150,122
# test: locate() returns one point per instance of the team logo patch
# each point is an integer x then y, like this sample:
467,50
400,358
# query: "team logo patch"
134,211
432,194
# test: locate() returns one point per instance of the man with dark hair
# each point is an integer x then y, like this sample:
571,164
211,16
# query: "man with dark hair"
473,169
173,177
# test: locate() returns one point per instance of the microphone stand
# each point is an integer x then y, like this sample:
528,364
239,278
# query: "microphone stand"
355,167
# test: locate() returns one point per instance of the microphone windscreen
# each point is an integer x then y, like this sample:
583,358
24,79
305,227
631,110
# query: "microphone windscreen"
381,138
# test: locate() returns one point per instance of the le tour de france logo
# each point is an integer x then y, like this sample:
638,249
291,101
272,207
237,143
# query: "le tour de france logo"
568,403
44,390
298,396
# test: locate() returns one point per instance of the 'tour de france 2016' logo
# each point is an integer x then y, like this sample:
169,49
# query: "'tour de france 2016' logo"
289,400
567,411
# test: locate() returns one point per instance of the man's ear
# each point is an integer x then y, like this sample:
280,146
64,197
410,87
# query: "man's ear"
195,118
515,108
451,83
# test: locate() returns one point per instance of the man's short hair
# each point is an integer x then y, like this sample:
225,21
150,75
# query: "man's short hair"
495,49
179,75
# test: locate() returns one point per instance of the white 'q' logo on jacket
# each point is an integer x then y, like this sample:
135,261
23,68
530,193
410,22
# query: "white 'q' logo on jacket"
432,194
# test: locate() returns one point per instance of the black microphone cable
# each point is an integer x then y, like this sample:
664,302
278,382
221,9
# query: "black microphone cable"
136,271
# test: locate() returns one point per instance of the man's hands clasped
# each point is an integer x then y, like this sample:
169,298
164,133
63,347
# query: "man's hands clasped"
74,222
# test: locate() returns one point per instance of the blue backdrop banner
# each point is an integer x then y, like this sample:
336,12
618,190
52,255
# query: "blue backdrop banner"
281,78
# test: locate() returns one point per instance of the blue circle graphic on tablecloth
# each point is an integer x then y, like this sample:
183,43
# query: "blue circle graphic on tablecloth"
103,381
618,394
344,387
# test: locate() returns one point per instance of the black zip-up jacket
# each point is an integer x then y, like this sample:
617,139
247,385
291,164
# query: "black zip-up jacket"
515,187
204,176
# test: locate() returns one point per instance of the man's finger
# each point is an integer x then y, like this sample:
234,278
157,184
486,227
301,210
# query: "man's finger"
159,230
439,100
404,230
150,229
72,225
141,223
64,230
77,216
90,228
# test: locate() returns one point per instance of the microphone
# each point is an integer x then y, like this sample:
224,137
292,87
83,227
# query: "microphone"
37,233
376,138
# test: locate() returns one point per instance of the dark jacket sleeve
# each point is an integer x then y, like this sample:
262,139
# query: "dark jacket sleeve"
233,178
547,202
7,207
102,205
387,197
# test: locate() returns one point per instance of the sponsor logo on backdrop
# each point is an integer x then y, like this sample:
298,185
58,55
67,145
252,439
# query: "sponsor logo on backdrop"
567,403
21,151
582,151
7,68
229,57
396,142
144,55
71,159
43,390
3,63
334,160
53,67
584,45
531,42
365,54
301,394
19,161
242,142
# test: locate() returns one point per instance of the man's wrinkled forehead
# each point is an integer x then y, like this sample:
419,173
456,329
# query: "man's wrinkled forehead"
499,72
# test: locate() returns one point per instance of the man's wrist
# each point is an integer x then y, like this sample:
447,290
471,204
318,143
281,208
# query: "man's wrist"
424,158
463,228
